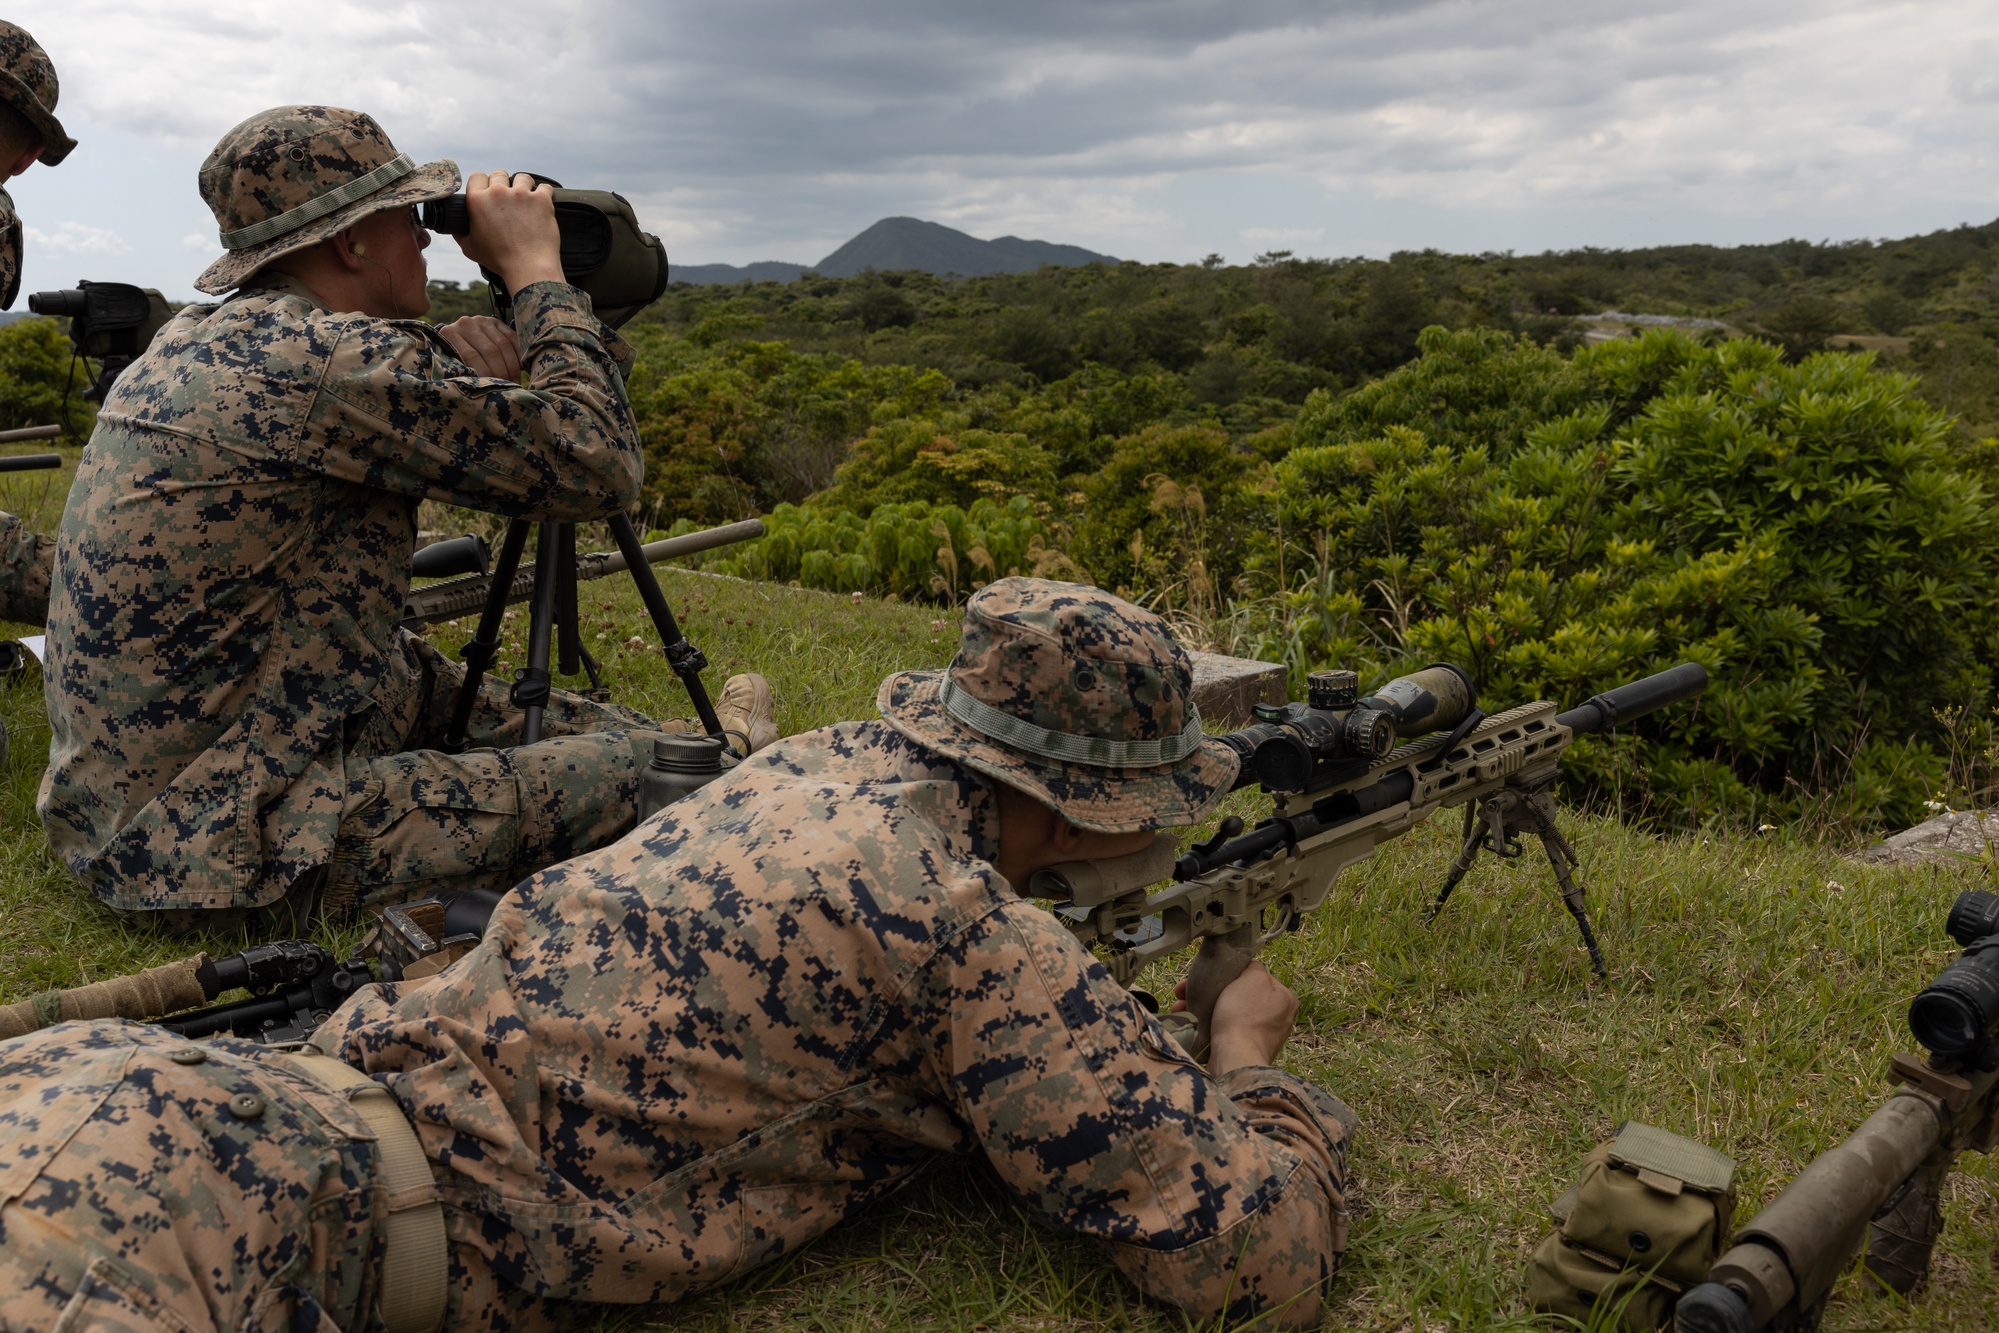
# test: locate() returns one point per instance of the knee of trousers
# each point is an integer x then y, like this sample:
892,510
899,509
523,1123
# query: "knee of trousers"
426,821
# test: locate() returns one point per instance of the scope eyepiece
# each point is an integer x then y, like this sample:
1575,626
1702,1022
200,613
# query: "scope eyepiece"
1957,1015
1973,916
69,303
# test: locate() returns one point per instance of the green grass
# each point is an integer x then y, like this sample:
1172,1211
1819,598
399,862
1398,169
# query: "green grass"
1757,990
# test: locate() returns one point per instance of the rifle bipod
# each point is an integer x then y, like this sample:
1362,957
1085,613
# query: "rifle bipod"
552,610
1495,825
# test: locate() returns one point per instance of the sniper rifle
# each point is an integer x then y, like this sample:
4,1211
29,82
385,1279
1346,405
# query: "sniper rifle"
1342,787
1884,1185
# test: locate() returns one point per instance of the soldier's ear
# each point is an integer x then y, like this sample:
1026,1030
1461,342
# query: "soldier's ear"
1062,835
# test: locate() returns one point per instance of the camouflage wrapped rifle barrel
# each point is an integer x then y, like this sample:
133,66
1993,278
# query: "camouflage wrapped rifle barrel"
1238,893
1884,1184
462,597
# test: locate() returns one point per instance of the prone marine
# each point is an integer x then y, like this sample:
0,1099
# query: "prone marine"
241,728
685,1055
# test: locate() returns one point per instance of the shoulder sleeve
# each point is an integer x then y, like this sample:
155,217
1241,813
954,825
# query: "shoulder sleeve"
10,252
397,410
1224,1197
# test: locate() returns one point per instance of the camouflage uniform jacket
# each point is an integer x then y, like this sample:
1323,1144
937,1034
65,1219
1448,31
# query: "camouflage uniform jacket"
689,1053
10,251
232,562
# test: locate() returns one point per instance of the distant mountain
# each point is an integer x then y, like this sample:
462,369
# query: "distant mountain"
911,243
770,270
908,243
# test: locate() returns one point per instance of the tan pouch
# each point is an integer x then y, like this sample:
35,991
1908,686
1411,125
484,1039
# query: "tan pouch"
1656,1201
1651,1211
1563,1279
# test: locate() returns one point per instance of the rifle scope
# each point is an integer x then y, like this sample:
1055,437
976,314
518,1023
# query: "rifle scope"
604,250
1957,1015
1298,747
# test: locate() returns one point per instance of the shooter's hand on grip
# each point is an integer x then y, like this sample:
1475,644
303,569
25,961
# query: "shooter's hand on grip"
1248,1022
513,228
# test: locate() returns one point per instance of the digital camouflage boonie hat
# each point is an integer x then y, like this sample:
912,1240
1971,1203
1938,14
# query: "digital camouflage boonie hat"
28,84
1076,697
292,176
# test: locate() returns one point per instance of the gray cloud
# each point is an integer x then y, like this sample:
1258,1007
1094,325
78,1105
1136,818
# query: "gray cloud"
1151,128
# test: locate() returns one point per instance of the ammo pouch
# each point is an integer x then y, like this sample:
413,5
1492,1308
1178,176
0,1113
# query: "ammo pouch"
1646,1220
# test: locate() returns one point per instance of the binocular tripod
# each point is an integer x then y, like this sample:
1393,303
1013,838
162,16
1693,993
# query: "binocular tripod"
552,614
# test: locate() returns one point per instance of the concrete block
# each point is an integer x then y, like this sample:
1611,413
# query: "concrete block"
1226,688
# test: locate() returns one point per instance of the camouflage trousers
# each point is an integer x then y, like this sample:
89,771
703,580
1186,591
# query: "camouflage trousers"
26,559
147,1183
419,821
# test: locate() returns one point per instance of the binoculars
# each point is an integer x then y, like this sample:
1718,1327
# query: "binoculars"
604,250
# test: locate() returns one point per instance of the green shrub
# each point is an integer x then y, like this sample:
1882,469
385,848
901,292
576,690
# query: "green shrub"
38,374
914,550
1805,531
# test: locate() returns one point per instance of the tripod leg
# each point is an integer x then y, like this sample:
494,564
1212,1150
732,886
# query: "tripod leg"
1474,838
568,633
478,655
531,682
686,660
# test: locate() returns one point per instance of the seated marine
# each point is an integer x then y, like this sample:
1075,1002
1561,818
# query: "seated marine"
683,1056
239,721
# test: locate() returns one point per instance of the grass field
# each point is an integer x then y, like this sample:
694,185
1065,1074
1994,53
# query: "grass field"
1757,990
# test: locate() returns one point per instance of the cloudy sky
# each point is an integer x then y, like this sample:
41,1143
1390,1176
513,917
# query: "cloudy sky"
1147,129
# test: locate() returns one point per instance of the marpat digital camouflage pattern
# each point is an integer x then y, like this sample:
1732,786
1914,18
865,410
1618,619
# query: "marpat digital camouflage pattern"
28,84
149,1185
10,252
26,558
227,681
1074,696
686,1055
292,176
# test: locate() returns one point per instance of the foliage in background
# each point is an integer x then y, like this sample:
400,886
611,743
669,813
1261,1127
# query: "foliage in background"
1809,532
911,549
37,376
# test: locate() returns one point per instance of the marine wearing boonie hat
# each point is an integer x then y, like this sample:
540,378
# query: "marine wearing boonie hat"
28,126
1077,698
290,177
28,84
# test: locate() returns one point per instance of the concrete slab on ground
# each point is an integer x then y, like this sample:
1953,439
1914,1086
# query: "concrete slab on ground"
1226,688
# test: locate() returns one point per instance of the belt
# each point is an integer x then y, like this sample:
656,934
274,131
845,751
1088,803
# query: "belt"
415,1268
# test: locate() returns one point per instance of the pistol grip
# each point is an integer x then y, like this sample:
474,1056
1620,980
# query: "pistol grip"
1220,961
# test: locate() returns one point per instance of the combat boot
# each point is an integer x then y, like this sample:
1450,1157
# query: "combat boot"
747,714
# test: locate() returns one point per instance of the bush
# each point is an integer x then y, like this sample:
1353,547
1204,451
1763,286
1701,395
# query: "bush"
1804,531
38,375
911,550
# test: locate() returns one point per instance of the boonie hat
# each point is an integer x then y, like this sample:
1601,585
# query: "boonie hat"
292,176
28,84
1076,697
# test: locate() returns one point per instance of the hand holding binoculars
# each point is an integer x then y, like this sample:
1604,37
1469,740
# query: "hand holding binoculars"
605,252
